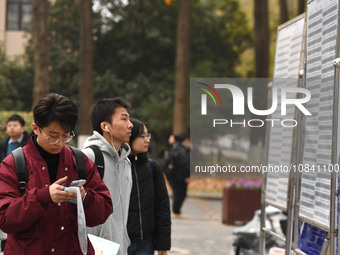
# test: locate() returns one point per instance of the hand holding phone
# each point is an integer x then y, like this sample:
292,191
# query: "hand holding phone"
77,183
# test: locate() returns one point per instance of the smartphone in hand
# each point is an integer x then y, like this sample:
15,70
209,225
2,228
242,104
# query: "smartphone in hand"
77,183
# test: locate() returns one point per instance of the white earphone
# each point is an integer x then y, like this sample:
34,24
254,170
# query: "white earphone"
107,129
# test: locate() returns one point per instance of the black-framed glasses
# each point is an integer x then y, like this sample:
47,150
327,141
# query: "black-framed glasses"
64,138
145,137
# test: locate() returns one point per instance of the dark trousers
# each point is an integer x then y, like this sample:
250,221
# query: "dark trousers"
179,192
3,242
141,247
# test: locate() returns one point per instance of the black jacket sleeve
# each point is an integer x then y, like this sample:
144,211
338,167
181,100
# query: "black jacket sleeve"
162,234
3,149
181,162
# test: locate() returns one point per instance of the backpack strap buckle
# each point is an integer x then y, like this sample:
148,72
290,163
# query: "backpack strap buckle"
22,185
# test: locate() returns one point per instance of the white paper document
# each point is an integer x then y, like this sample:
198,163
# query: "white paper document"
82,232
102,246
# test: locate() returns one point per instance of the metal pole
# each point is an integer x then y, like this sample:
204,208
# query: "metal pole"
290,208
262,245
335,146
335,153
299,139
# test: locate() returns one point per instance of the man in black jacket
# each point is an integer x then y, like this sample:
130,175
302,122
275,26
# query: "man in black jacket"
179,172
15,128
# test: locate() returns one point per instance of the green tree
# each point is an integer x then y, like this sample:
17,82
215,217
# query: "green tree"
63,37
63,27
301,6
283,11
135,53
134,59
16,78
261,38
85,66
182,67
135,48
40,44
220,34
257,135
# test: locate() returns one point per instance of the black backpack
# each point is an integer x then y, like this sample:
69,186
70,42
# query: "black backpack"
168,164
20,163
99,160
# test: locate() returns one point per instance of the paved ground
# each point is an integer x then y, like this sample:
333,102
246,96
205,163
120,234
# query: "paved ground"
202,231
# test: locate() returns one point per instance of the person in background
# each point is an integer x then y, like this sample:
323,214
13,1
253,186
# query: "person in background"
18,137
149,223
178,172
42,221
112,130
171,141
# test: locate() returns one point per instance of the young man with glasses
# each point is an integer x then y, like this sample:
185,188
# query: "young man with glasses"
112,130
40,222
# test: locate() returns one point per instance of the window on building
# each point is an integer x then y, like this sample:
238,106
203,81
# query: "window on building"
19,14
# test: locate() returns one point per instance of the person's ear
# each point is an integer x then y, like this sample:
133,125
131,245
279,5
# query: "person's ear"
35,128
104,127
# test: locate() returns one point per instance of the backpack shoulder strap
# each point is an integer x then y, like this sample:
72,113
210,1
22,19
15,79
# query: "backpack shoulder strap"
153,166
80,160
20,163
99,160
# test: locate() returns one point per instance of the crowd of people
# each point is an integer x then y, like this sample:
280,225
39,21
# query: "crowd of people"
124,197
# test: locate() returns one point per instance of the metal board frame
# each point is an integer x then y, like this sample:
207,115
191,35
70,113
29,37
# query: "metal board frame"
290,71
320,53
281,149
329,245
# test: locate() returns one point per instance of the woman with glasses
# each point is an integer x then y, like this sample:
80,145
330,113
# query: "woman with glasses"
149,224
41,221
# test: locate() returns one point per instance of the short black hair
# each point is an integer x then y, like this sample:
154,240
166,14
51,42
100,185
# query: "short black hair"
137,130
181,137
55,108
16,117
104,109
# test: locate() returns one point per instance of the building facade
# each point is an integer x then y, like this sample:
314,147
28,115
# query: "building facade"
15,18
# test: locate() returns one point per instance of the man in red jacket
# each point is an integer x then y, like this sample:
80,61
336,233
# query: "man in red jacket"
40,221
